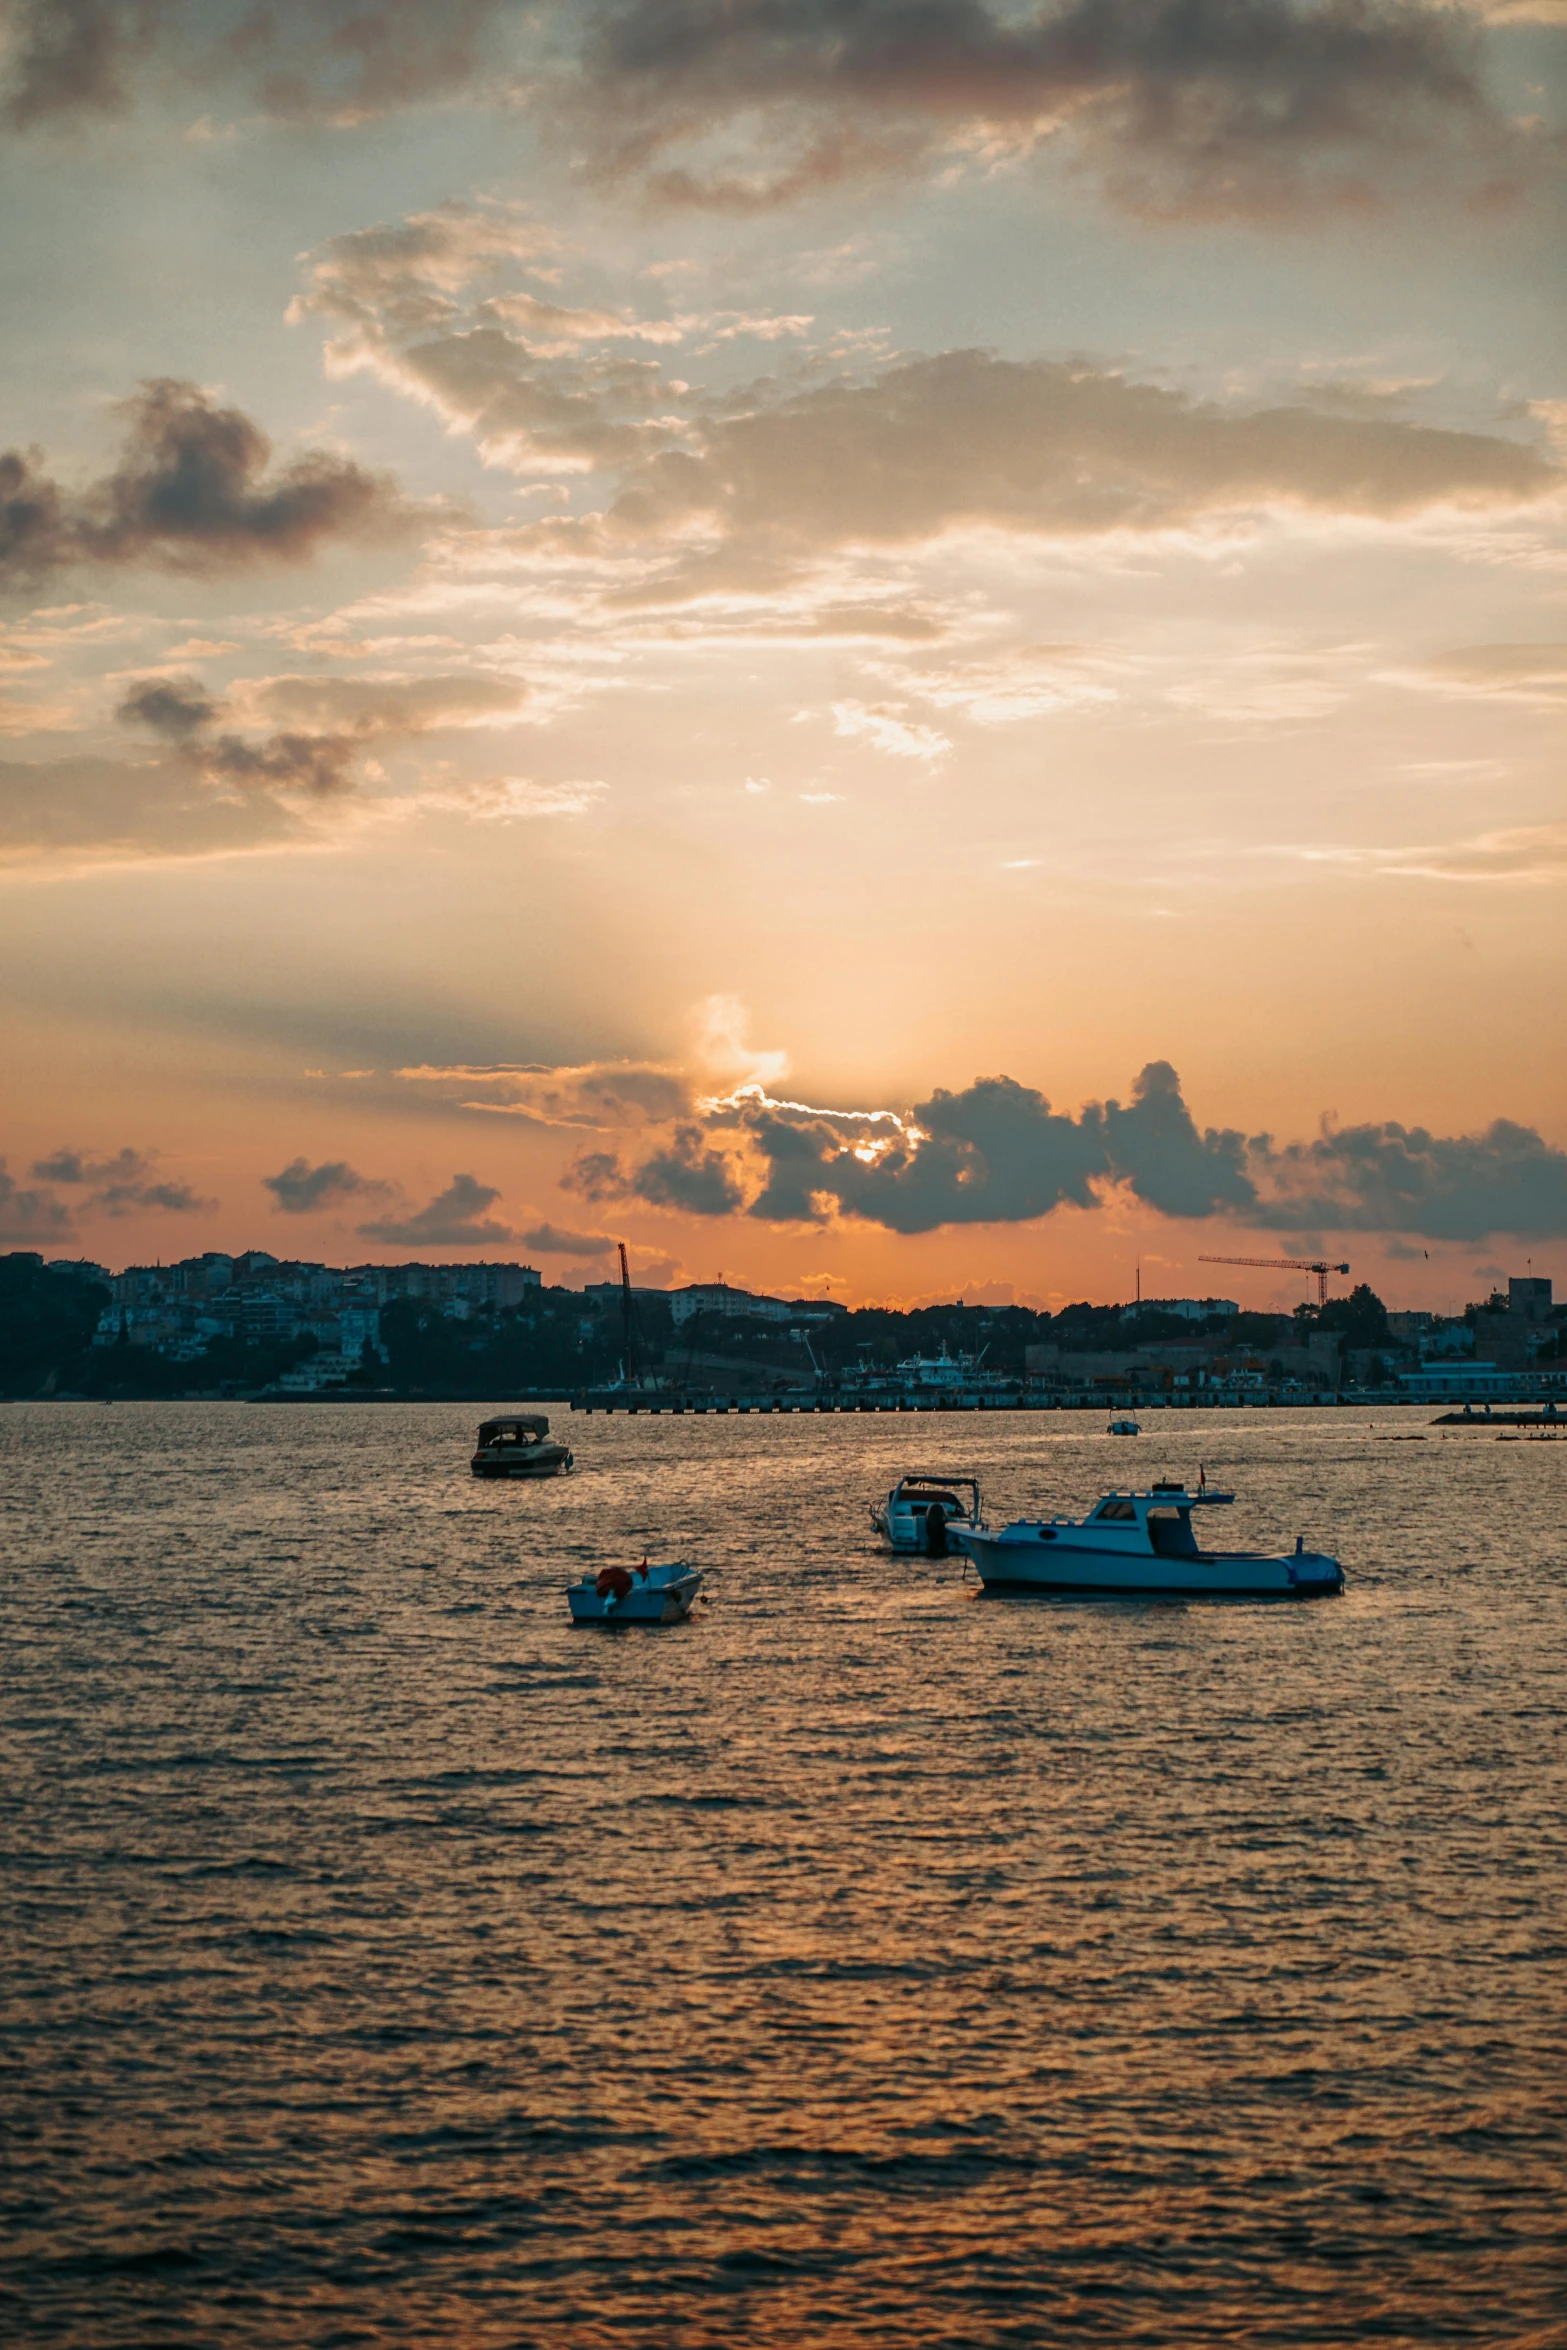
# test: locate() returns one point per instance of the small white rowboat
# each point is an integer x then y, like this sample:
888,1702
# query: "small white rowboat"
635,1595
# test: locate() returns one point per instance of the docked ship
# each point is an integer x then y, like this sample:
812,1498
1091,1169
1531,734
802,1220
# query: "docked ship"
519,1444
941,1378
1141,1543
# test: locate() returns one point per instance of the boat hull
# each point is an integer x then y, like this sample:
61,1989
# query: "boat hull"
646,1603
554,1466
1026,1566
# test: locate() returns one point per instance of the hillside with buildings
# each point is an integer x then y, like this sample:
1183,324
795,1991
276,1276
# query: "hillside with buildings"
257,1325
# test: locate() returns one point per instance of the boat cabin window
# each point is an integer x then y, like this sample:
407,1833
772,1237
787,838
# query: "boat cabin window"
1115,1509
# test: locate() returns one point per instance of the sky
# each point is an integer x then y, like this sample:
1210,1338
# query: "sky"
894,649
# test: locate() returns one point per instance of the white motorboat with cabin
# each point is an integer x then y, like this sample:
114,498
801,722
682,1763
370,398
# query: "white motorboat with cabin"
924,1511
1123,1428
635,1595
518,1444
1138,1543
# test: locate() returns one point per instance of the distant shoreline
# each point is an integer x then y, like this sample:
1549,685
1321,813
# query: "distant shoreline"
1520,1411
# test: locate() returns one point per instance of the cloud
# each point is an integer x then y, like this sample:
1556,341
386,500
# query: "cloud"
1002,689
1234,107
29,1219
716,496
118,1186
341,718
1391,1178
1526,855
1531,673
885,731
723,1044
190,491
509,799
997,1152
317,764
1154,1145
686,1173
537,383
303,1190
297,60
551,1240
970,440
87,809
1238,106
597,1094
381,705
403,275
174,706
455,1218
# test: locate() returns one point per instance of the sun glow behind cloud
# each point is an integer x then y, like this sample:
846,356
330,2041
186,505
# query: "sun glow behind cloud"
723,555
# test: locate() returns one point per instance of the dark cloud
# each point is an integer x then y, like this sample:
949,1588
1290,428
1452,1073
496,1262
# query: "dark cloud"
455,1218
687,1173
70,56
180,708
33,521
298,60
551,1240
1154,1145
303,1190
1218,105
312,758
997,1152
119,1186
30,1219
321,764
174,706
216,791
1391,1178
190,490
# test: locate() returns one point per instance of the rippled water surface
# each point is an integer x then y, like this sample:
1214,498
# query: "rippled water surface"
867,1962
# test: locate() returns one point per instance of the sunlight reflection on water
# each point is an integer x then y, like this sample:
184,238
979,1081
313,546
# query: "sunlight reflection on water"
863,1963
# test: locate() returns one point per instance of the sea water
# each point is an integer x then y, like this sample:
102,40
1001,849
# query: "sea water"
868,1962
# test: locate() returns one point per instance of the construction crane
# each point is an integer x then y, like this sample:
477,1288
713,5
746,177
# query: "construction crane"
635,1365
1317,1265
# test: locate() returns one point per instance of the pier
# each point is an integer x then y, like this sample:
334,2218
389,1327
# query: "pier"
743,1406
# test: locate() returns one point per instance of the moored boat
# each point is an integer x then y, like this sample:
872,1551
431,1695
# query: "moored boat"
924,1511
635,1595
1134,1543
518,1444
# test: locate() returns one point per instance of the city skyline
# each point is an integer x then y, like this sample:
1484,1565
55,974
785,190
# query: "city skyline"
891,652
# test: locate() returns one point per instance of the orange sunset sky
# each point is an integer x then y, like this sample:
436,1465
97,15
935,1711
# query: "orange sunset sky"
900,648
